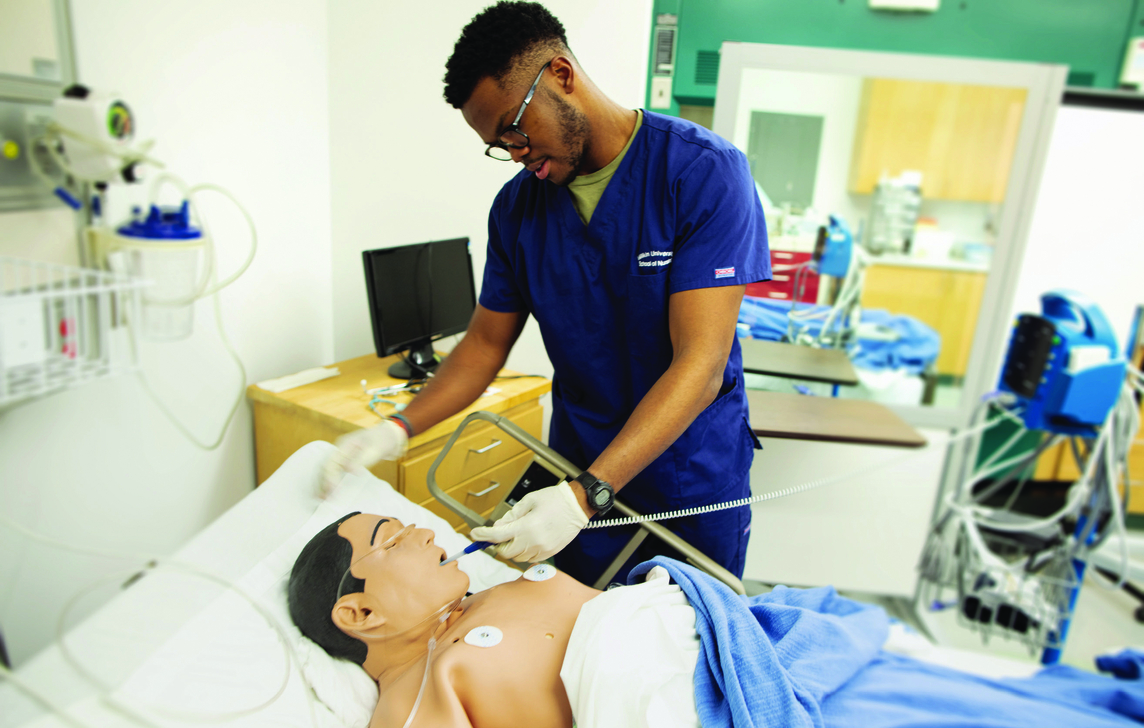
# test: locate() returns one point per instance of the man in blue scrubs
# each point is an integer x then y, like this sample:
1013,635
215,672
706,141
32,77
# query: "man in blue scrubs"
630,236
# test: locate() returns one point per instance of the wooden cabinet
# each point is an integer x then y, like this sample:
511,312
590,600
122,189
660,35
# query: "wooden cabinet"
960,137
482,462
946,300
1058,463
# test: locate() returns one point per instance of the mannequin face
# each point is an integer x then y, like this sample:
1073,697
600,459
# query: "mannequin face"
404,580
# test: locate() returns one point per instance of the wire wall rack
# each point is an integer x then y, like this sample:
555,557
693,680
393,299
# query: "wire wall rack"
62,326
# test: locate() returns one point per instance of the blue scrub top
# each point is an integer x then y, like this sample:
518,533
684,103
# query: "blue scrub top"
680,213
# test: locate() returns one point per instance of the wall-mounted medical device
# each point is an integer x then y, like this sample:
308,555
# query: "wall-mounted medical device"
1063,366
91,140
97,131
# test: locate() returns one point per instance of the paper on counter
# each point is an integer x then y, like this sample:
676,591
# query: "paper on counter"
306,376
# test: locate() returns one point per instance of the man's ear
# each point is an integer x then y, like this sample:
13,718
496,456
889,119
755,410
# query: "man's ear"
565,73
356,613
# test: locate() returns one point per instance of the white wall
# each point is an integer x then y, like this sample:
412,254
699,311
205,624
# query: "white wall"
235,94
1087,232
35,39
835,98
405,168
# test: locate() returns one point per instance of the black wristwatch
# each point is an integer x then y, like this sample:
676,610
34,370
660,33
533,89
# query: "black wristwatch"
600,493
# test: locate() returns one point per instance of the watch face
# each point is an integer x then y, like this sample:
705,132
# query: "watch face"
601,497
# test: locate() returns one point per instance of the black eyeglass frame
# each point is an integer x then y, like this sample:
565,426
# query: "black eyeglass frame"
500,143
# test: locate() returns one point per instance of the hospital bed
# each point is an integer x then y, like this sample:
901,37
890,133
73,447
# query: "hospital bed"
176,647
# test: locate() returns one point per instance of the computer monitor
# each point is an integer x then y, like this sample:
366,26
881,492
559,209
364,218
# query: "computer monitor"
418,293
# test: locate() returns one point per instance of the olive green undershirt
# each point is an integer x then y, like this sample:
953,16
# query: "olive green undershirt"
587,189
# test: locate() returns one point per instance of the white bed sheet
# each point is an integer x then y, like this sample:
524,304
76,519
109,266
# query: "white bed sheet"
182,644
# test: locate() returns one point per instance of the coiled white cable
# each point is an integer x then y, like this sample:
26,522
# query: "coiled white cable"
810,485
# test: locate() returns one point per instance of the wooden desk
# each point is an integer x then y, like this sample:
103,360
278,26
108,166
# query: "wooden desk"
780,359
828,419
481,459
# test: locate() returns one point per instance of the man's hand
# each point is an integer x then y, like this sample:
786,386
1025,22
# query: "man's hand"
540,525
361,449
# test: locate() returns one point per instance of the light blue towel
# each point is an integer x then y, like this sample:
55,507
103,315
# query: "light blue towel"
915,348
808,657
772,659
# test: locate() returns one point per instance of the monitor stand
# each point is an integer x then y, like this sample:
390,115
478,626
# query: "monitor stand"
420,354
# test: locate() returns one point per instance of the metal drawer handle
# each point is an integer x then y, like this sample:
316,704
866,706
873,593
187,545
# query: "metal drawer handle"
782,256
486,448
487,490
778,277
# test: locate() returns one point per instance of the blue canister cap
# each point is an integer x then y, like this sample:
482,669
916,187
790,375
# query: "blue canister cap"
163,223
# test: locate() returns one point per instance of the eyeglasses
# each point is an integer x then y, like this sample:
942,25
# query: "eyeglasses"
512,137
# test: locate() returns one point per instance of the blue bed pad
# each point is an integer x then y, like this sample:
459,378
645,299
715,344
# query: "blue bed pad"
809,657
917,346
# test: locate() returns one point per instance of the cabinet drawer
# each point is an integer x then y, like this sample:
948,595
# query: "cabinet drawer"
1136,475
479,448
782,287
483,492
787,257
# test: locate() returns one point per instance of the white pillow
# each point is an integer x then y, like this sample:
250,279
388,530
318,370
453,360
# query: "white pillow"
227,659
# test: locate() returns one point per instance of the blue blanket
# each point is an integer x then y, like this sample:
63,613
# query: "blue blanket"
916,346
808,657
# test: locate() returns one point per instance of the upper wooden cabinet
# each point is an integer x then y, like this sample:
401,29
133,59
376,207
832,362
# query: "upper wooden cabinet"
961,137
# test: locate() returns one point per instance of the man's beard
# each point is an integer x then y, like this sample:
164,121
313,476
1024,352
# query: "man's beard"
576,136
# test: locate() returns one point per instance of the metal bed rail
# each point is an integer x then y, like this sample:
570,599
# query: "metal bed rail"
561,465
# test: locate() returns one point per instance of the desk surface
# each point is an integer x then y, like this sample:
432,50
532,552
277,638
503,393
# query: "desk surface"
340,402
828,419
797,362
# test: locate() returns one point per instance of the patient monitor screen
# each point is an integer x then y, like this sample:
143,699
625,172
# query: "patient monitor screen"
419,292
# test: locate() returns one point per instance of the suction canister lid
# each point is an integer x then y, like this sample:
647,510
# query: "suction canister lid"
163,223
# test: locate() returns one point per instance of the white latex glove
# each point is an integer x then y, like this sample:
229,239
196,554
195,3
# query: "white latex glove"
540,525
361,449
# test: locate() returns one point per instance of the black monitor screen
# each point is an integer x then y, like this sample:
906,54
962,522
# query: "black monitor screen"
419,292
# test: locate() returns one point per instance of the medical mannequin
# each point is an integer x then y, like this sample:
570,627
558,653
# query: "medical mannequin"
408,597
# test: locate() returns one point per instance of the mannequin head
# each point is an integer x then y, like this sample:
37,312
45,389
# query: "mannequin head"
390,582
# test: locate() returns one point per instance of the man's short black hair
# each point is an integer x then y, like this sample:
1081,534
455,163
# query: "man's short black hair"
494,41
313,591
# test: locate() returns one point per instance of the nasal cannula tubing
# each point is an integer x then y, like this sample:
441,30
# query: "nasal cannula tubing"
444,613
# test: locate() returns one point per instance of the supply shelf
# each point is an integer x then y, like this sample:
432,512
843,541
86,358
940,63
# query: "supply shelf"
62,326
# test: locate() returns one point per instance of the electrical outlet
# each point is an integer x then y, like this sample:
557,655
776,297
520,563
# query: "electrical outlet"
22,339
661,92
